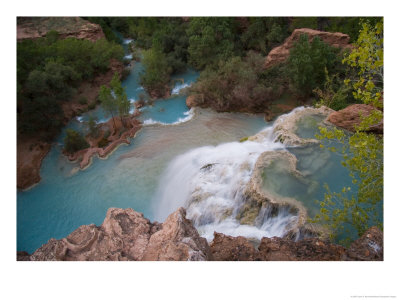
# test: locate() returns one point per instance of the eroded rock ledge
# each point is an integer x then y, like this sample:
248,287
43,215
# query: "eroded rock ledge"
127,235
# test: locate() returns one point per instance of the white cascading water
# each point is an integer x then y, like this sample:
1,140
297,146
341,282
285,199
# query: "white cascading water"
209,182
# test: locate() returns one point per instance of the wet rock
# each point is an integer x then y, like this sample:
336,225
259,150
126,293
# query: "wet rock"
368,247
227,248
350,117
281,53
177,240
126,235
286,125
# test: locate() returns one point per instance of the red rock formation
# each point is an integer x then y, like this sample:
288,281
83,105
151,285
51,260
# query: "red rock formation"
281,53
350,117
36,27
127,235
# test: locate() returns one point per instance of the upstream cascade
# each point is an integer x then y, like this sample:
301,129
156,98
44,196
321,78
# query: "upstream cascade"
227,188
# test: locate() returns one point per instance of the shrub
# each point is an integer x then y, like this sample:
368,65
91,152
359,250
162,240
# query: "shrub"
74,141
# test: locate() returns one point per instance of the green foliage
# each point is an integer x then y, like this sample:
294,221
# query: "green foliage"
157,72
363,154
304,22
210,40
264,33
74,141
335,94
307,63
236,83
121,99
93,129
48,71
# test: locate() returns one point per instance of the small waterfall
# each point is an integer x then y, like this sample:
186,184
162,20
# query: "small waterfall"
210,181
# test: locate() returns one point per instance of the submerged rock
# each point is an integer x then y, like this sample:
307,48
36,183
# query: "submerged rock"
126,235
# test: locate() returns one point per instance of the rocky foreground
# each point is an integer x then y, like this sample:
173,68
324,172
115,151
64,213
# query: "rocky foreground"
126,235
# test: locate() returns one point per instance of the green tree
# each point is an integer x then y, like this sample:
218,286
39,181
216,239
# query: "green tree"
156,76
122,102
307,63
363,151
210,40
108,102
74,141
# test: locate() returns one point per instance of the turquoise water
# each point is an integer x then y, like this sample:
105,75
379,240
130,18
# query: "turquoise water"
67,198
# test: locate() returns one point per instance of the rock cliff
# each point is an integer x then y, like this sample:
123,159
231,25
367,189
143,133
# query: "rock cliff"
281,53
127,235
36,27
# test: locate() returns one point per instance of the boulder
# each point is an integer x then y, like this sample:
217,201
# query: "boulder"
350,117
281,53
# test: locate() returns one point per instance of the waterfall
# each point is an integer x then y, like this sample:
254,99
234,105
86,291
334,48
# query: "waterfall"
210,181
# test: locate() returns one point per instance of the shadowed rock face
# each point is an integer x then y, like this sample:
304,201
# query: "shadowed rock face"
127,235
368,247
281,53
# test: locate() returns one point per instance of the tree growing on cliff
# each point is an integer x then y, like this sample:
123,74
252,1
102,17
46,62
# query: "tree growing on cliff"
363,155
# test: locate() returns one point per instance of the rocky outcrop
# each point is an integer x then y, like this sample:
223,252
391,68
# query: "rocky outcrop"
177,240
126,235
227,248
36,27
368,248
307,249
350,117
281,53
